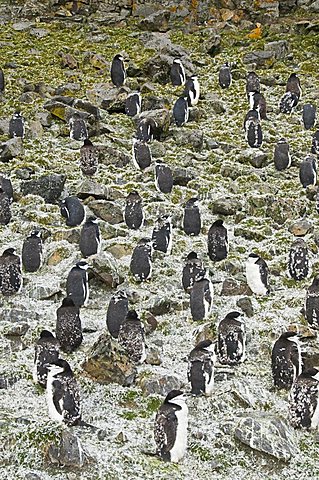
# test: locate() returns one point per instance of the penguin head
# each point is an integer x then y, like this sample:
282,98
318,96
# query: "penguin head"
174,396
68,302
8,252
36,233
119,57
132,315
60,366
46,334
311,373
192,203
92,219
192,256
82,264
177,60
218,223
120,295
252,258
290,335
87,143
206,345
233,315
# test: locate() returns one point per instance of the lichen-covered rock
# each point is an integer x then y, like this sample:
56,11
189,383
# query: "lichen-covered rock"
156,22
108,363
113,99
232,286
159,385
193,138
11,148
246,305
48,186
301,227
68,453
108,211
279,48
260,58
89,188
225,206
105,267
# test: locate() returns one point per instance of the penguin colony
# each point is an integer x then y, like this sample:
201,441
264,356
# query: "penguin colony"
229,347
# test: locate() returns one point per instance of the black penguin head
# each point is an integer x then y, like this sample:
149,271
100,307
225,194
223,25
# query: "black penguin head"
311,373
67,302
192,256
205,345
132,315
233,315
87,143
252,258
60,366
289,335
200,276
119,57
120,295
218,223
177,60
83,265
8,252
133,197
46,334
174,395
192,203
92,219
144,241
36,233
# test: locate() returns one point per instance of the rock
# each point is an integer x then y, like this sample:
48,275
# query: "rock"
108,363
314,7
28,97
268,435
212,45
279,49
232,286
120,250
39,32
301,227
159,385
6,382
67,89
260,58
68,61
193,138
158,68
215,103
105,268
225,206
259,160
156,22
242,393
162,117
245,304
45,289
16,315
68,453
108,211
49,187
114,99
98,61
89,188
45,118
153,356
160,42
16,329
11,148
35,129
182,176
151,323
303,330
160,306
112,156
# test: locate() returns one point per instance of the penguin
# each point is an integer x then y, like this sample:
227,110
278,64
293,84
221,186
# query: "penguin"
193,268
116,312
192,217
145,129
72,209
254,135
141,260
252,83
251,114
162,234
89,158
282,157
68,329
286,360
132,337
170,428
231,339
16,126
2,81
312,303
308,171
118,73
201,298
46,351
315,143
304,400
298,263
5,210
6,185
133,212
293,85
288,102
63,395
225,76
257,274
32,252
10,272
177,74
217,241
181,111
141,154
133,104
258,102
90,238
308,115
77,284
163,177
192,90
201,363
78,129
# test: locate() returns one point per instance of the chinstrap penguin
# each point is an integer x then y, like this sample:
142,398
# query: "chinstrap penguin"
10,272
286,360
141,260
257,274
200,373
132,337
46,351
32,252
231,339
133,212
116,312
77,284
68,328
90,238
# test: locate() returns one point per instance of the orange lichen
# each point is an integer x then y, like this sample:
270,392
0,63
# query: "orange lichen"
256,33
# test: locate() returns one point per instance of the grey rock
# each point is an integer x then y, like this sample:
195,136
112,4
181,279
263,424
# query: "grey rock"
182,176
49,187
108,211
39,32
214,103
21,26
29,97
162,118
153,356
160,306
89,188
43,291
35,129
314,7
6,382
280,49
232,286
114,99
11,148
160,42
159,385
156,22
32,476
193,138
16,329
15,315
301,227
212,44
225,206
246,305
68,453
67,88
112,156
268,435
259,160
45,118
4,126
106,268
260,58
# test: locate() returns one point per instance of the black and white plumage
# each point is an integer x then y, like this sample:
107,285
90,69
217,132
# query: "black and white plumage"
170,428
90,238
133,104
192,90
181,111
32,252
10,272
217,241
225,76
6,185
201,298
249,115
192,218
46,351
286,360
312,303
77,284
252,83
162,234
133,212
78,129
141,154
68,329
146,129
89,158
132,337
308,171
298,263
231,339
201,362
2,81
254,135
288,102
193,268
308,115
257,274
163,177
304,400
282,157
118,73
141,260
5,209
116,312
63,395
177,74
293,85
17,125
315,143
72,209
257,101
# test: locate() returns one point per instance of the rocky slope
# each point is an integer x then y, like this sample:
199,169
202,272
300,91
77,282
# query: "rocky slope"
242,430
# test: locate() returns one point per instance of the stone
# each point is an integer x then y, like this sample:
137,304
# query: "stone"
259,160
156,385
283,209
160,42
260,58
44,290
160,306
98,61
89,188
112,156
280,49
68,453
45,118
35,129
19,315
212,45
114,99
108,211
193,138
156,22
68,89
6,382
182,176
214,103
49,187
246,305
68,61
11,148
267,435
39,32
16,329
120,250
301,227
314,7
107,363
232,286
225,206
106,268
153,356
162,118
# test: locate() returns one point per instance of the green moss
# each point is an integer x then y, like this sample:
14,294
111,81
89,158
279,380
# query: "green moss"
203,453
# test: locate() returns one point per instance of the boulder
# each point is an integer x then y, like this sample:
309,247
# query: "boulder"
11,148
232,286
279,49
108,211
260,58
225,206
159,385
49,187
105,267
68,453
156,22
